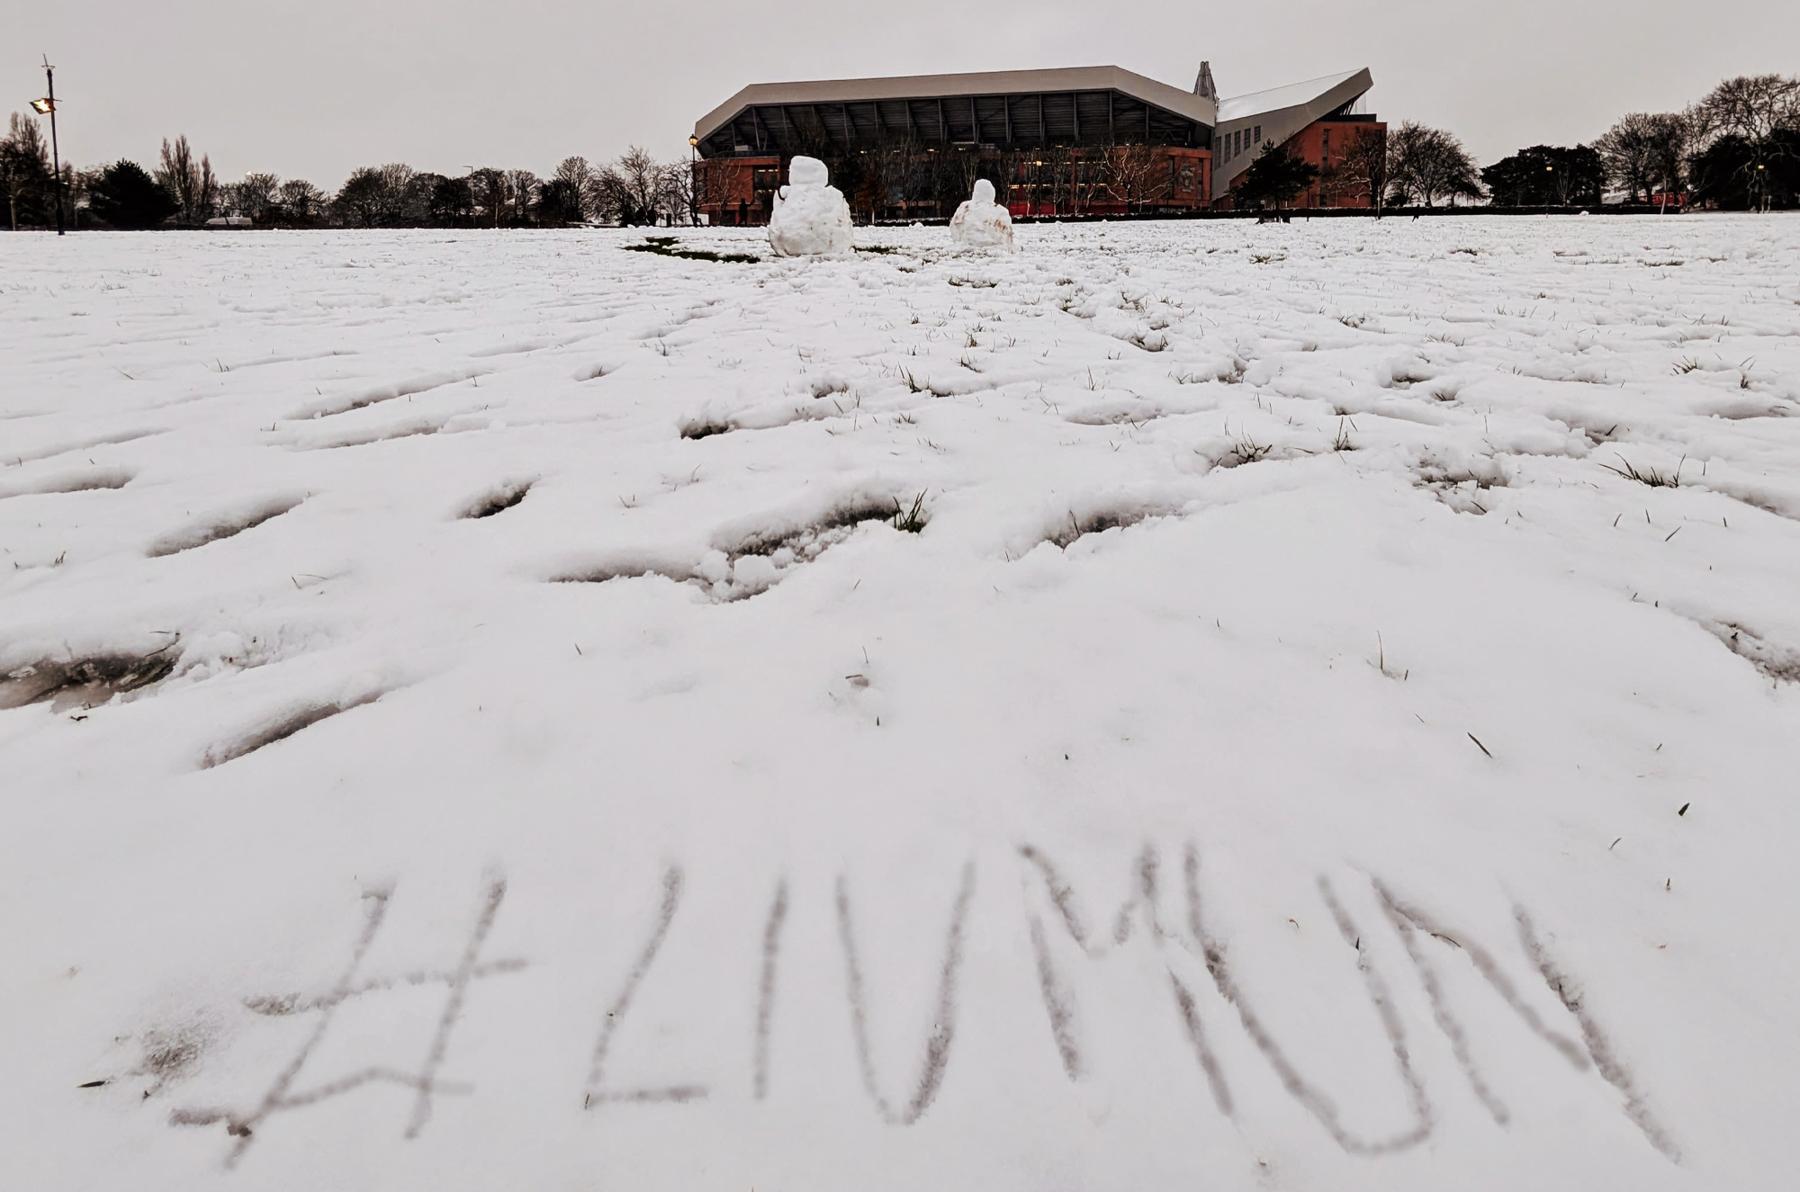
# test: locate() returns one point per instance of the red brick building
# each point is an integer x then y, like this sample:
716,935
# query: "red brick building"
1082,141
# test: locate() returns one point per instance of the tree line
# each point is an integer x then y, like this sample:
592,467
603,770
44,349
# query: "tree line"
183,190
1736,148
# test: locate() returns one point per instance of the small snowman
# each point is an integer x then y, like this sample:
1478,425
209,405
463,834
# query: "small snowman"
810,217
982,223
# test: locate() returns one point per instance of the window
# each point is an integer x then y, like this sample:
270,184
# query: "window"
1256,137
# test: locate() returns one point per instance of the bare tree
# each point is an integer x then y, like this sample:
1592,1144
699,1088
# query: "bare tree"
579,175
1362,172
397,194
1136,174
1753,109
209,191
24,166
675,192
190,183
521,195
359,200
487,187
256,196
639,182
1627,148
300,200
177,175
1671,136
1426,164
381,196
880,178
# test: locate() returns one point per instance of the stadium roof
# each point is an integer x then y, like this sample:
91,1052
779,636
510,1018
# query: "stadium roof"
1275,99
1279,113
1148,91
1068,105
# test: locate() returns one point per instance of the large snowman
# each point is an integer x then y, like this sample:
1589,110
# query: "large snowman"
810,217
981,222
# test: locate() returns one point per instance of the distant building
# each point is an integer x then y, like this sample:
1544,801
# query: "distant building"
1094,140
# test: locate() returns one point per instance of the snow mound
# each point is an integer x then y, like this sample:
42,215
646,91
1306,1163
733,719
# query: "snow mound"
981,223
810,217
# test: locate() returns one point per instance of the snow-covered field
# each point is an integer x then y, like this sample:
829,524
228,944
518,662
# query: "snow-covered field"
1187,706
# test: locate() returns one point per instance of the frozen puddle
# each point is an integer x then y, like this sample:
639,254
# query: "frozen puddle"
1300,707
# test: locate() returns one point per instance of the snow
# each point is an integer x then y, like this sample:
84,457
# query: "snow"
1292,752
980,223
810,217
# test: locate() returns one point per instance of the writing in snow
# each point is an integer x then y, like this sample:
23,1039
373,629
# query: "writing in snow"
1204,1000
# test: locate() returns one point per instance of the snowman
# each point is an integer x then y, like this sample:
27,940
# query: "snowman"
810,217
982,223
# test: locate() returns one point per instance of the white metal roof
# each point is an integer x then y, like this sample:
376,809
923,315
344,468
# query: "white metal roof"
1278,114
991,82
1290,95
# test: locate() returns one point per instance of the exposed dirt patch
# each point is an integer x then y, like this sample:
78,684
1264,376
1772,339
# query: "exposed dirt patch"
86,681
498,500
810,541
169,1053
757,562
668,246
1101,521
705,428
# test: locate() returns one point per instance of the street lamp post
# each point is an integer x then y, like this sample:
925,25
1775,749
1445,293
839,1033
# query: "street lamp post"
693,181
47,107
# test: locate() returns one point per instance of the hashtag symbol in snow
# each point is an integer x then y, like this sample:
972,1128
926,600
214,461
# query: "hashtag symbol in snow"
282,1093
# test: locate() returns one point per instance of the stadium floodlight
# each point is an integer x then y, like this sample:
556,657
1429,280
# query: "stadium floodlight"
47,107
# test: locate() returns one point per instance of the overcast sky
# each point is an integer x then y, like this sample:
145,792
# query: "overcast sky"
314,88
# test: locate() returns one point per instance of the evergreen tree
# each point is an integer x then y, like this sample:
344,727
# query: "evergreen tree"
1275,179
124,195
1547,176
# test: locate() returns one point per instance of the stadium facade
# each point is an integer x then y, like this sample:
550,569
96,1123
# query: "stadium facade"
1092,140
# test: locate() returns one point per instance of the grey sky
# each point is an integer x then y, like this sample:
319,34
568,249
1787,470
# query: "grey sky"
315,88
